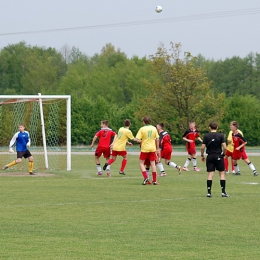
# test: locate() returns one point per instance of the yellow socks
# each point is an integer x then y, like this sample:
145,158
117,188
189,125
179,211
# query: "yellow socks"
31,166
11,164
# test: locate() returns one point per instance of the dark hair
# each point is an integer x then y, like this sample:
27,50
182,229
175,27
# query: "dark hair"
105,122
127,122
161,125
213,125
235,124
146,120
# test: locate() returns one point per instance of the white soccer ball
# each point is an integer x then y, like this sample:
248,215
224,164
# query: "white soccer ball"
158,8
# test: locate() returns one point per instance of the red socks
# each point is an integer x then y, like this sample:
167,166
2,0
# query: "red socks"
124,162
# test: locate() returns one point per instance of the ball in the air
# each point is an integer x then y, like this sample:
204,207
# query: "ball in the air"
158,8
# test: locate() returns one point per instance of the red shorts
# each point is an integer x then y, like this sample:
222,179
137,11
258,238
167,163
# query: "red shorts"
228,153
237,155
116,153
151,156
103,150
191,150
166,154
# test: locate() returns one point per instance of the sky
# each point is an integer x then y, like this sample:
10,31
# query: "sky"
219,35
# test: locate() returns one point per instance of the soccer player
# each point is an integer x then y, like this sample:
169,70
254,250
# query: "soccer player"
216,148
190,137
22,140
149,139
239,152
119,146
230,149
106,137
165,146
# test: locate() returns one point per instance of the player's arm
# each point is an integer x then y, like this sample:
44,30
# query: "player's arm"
112,144
242,145
202,150
157,147
12,142
224,148
93,141
29,140
187,140
200,139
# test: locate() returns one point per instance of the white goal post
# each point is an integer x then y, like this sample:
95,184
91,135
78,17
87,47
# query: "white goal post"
48,120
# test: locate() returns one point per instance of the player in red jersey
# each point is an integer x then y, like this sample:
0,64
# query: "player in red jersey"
165,145
190,137
239,152
106,137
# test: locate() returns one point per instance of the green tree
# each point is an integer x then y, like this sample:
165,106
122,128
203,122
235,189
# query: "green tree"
181,92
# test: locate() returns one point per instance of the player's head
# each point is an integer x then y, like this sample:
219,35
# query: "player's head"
213,126
146,120
192,124
21,127
234,125
104,123
160,126
127,123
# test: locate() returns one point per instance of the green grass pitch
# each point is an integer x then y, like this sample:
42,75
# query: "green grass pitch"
78,215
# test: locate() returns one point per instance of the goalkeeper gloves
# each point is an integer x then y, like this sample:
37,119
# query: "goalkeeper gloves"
11,150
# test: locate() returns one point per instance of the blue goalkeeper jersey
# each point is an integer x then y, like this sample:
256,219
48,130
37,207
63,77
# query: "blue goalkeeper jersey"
21,139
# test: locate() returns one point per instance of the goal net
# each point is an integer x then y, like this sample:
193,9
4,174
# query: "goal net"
47,119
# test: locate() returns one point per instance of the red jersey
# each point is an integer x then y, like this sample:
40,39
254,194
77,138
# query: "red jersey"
165,142
105,136
238,139
191,134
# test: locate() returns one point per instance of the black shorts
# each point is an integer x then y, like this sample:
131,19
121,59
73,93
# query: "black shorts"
215,162
24,154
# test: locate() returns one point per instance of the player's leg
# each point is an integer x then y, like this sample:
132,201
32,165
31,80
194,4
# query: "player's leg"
232,165
220,167
160,165
251,166
236,167
168,161
142,158
18,160
210,164
226,164
110,160
154,173
194,161
187,162
123,164
98,153
28,155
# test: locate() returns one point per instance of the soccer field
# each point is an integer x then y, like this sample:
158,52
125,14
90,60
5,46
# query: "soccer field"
78,215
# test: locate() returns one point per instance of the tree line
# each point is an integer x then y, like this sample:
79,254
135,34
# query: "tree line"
169,86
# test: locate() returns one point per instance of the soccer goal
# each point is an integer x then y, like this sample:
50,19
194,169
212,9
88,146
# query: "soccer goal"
47,118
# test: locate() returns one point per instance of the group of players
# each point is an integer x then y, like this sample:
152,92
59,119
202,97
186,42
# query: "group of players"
155,144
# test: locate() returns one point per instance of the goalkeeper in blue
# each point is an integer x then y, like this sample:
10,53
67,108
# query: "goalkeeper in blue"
22,141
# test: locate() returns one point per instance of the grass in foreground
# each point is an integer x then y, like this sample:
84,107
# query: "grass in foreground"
79,215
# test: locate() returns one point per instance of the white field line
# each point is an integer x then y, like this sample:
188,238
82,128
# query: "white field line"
120,201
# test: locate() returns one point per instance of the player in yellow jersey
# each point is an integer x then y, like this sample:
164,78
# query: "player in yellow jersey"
230,149
119,146
149,138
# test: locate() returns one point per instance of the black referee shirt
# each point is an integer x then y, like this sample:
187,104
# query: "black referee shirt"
213,142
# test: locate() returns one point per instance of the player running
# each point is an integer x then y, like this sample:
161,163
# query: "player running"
165,146
190,137
105,136
119,146
239,152
22,140
149,138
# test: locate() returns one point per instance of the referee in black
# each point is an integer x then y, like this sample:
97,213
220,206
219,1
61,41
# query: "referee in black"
214,142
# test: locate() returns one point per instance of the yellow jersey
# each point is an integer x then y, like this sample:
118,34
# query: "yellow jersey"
230,147
123,135
148,134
